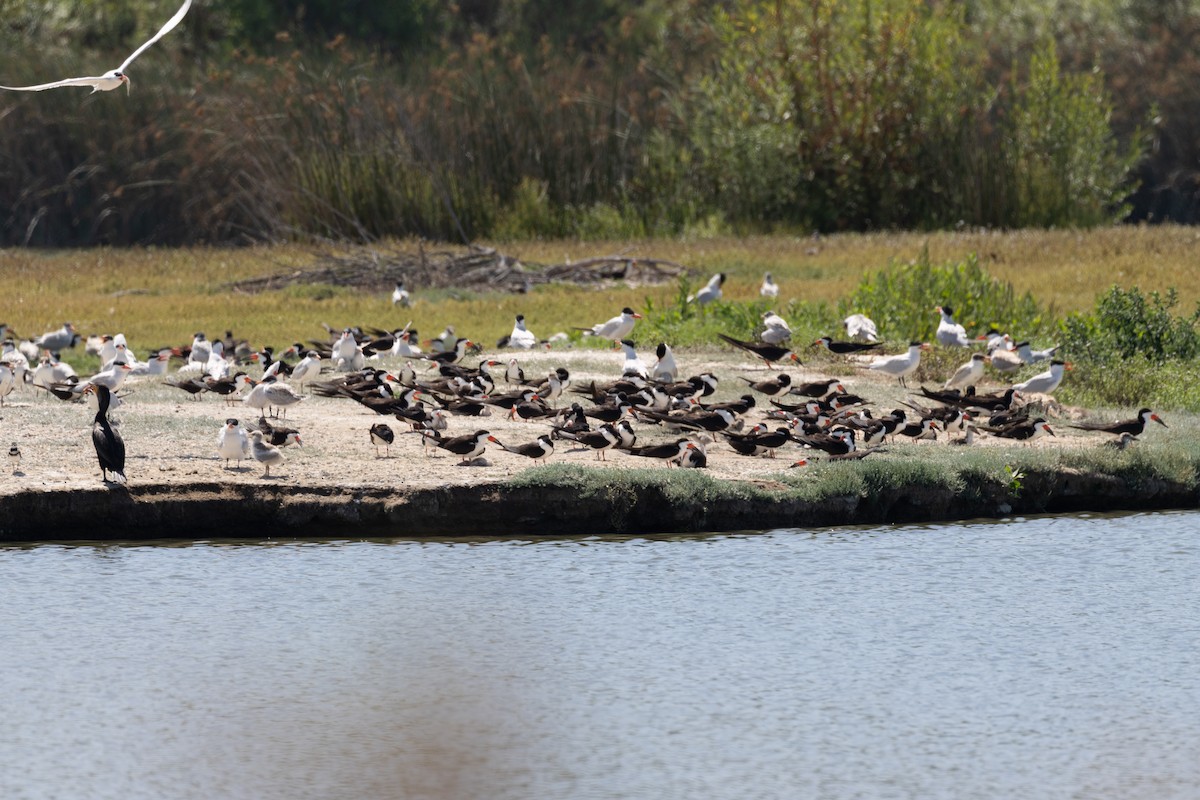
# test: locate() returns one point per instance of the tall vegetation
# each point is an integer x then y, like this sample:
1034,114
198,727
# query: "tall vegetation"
477,120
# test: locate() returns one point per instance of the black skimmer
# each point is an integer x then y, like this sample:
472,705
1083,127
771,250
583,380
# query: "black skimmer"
1044,382
818,389
770,386
759,441
382,435
114,77
860,328
845,348
469,446
600,440
838,442
950,333
667,453
110,447
968,374
769,353
573,420
1024,430
1122,442
769,287
775,329
451,356
1133,426
611,411
539,450
266,454
902,365
278,435
617,328
232,442
14,458
193,386
711,291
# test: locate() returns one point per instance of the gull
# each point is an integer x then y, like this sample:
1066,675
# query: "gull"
769,287
113,78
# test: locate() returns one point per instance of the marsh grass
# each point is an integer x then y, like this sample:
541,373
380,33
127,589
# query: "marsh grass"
162,296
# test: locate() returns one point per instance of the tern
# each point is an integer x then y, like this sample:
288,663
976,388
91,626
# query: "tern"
968,374
949,332
775,329
665,370
400,295
861,328
902,365
769,287
266,454
1044,382
520,336
617,328
113,78
711,290
232,442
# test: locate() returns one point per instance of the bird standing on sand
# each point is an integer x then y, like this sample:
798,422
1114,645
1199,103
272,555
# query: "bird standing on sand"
266,454
110,447
767,352
382,435
902,365
520,336
114,77
968,374
232,443
14,457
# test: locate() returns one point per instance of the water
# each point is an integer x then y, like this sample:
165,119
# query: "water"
1043,658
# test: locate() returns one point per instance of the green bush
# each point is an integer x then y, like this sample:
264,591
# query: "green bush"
901,299
1127,324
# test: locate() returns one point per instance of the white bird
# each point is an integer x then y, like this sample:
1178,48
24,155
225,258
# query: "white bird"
113,78
266,454
1030,356
16,360
617,328
8,381
902,365
271,395
520,336
232,442
860,328
1044,382
633,365
111,378
59,339
711,290
775,329
201,351
307,368
949,332
665,370
400,296
50,371
769,287
969,374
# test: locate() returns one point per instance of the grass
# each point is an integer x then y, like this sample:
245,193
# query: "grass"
159,297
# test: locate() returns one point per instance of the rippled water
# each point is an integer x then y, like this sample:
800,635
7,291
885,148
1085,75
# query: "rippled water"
1042,658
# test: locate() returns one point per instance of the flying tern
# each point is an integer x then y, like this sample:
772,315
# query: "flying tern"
113,78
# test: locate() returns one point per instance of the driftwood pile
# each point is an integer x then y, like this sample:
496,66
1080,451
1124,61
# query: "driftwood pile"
474,268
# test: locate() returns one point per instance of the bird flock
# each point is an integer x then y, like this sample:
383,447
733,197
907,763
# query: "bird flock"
444,390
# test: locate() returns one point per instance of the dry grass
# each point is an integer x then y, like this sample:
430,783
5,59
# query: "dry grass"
160,296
